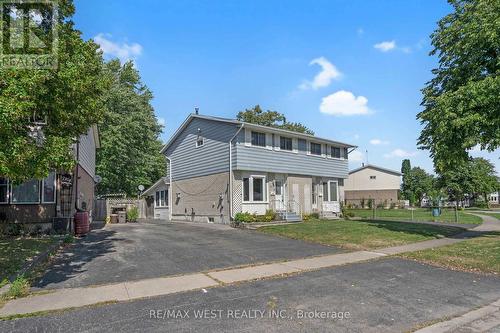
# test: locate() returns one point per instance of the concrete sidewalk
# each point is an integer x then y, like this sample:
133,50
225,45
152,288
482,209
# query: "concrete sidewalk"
483,319
77,297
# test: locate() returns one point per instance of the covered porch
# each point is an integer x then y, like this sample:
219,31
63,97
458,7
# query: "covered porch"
290,196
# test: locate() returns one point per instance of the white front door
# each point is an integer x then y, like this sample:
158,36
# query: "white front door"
278,195
331,196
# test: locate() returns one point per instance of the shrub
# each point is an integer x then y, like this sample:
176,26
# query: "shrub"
270,215
69,239
370,203
19,288
480,203
362,202
244,217
133,214
393,205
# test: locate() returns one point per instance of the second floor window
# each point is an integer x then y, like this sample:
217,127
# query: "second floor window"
286,143
200,141
336,152
315,148
258,139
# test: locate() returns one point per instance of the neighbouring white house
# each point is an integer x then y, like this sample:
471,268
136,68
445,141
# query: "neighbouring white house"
493,198
372,182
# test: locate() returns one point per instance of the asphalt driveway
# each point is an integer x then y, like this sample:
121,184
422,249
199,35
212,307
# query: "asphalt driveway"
127,252
386,295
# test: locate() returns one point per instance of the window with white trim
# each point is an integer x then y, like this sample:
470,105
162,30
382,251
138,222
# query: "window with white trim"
258,139
335,151
254,189
49,188
315,148
200,142
28,192
4,190
286,143
161,198
330,191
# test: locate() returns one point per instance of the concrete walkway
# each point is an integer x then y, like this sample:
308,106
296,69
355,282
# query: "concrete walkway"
483,319
78,297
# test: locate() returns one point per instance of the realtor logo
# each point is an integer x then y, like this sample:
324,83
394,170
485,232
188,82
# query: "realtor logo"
28,34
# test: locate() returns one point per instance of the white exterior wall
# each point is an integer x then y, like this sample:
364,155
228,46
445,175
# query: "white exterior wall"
161,213
360,180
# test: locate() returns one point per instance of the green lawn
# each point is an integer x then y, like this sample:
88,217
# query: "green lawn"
15,251
361,235
477,255
419,214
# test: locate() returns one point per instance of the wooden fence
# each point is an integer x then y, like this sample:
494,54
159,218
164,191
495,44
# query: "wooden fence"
106,206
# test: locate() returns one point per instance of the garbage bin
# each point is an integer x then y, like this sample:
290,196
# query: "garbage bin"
436,211
113,218
122,217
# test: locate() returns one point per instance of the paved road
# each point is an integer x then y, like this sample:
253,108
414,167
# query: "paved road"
386,295
128,252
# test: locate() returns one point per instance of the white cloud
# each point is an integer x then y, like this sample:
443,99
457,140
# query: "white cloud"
122,51
161,121
386,46
356,156
344,103
377,142
400,153
323,78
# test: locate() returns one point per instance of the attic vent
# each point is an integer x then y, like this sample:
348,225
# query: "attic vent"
211,220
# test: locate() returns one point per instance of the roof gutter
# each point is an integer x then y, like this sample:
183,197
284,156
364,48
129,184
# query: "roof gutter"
230,171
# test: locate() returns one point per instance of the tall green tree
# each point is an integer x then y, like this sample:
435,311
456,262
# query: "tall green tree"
69,97
483,177
462,102
406,184
130,144
270,118
476,176
416,182
421,183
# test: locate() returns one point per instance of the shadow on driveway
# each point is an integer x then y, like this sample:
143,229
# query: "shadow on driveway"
134,251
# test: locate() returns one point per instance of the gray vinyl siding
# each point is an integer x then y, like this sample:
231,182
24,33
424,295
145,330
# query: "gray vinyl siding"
260,159
87,152
189,161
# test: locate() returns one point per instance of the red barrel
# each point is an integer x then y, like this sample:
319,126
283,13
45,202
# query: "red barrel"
82,225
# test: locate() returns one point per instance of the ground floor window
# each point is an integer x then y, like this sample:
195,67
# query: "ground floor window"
4,190
28,192
161,199
49,188
254,189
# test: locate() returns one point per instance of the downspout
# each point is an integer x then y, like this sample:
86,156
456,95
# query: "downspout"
231,215
170,185
77,173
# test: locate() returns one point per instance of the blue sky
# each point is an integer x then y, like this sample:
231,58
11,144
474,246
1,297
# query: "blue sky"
350,70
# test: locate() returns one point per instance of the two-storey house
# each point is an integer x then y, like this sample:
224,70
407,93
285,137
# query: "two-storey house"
219,167
52,202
